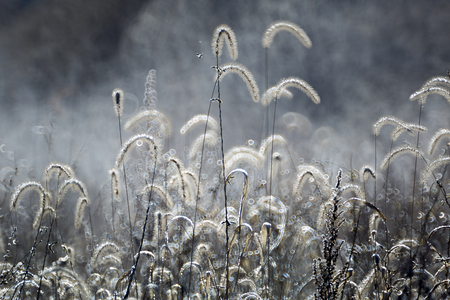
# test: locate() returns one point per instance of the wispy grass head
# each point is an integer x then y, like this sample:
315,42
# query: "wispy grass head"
279,26
224,33
299,84
246,76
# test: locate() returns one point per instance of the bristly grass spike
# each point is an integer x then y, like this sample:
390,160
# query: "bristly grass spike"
279,26
118,96
224,33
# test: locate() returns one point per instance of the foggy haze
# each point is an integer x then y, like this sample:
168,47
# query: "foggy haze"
60,61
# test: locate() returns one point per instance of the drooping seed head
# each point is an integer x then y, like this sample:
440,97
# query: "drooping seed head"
274,28
224,33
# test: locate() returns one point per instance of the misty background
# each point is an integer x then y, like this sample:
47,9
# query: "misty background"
60,61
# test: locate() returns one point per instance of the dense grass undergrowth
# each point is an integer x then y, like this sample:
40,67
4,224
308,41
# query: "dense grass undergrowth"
254,222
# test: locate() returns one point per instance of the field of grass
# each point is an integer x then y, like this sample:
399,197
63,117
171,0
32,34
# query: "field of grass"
181,216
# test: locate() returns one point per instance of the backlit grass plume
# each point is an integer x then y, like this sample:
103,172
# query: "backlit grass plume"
270,94
436,85
214,126
400,127
223,33
290,27
246,76
440,134
399,151
150,116
299,84
44,198
422,94
135,141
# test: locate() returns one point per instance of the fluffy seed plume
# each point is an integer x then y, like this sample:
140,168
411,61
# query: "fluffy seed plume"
437,81
60,168
192,180
207,226
354,188
111,260
436,137
27,186
243,155
366,171
224,33
312,173
398,151
245,74
274,28
175,220
265,144
299,84
42,206
400,127
432,166
130,143
410,128
212,124
101,250
160,191
118,96
210,139
269,95
149,116
114,175
385,121
44,198
82,203
243,158
180,168
73,184
265,234
422,94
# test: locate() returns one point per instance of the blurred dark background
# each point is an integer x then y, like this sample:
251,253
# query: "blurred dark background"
60,61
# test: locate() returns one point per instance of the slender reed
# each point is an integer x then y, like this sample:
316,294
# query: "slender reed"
217,42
